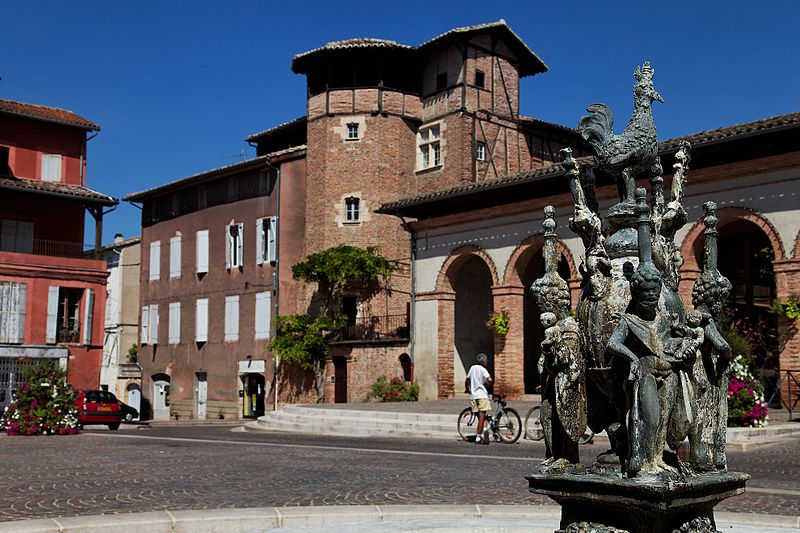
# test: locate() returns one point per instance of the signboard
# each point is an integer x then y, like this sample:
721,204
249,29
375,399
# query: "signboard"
252,366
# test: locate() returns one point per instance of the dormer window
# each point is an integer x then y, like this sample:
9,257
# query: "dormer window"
352,130
441,81
351,205
480,78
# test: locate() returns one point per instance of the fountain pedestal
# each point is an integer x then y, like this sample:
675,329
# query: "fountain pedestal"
594,503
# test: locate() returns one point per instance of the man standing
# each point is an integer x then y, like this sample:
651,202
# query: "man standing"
479,378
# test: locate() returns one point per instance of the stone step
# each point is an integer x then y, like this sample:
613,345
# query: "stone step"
366,413
303,426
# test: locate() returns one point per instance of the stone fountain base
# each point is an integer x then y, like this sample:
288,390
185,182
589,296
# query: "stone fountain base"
606,503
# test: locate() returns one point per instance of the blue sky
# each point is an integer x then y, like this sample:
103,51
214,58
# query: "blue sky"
177,86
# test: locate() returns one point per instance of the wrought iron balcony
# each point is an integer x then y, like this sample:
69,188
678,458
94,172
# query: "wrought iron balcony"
375,328
42,247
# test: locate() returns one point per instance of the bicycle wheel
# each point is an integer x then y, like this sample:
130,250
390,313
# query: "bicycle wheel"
467,423
533,424
509,426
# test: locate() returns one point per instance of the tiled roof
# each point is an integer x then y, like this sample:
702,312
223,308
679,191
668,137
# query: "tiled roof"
697,139
141,195
49,114
553,125
57,189
359,42
274,129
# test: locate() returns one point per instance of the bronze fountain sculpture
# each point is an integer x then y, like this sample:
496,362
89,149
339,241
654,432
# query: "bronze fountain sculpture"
633,362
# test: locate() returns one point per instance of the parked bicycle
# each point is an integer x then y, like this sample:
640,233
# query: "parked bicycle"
502,421
535,431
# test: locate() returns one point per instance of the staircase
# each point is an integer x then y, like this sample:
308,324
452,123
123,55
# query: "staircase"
354,423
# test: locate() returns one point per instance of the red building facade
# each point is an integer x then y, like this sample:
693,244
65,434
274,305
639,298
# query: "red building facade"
51,296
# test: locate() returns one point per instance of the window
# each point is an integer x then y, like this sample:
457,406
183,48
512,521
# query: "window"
351,209
16,236
441,81
174,328
231,318
12,312
201,320
480,151
153,328
233,246
5,163
63,314
480,78
266,231
155,260
88,316
352,130
430,150
51,167
175,257
263,321
202,251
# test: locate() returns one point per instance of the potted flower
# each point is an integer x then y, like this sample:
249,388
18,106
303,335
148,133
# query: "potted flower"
498,323
789,308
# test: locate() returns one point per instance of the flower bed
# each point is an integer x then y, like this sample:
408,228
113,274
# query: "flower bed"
44,405
746,404
394,390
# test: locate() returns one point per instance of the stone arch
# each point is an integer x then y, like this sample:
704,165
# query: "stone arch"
521,254
456,259
726,215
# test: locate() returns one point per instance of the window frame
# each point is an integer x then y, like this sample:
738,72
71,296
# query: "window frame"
234,246
480,79
353,133
352,216
429,147
480,150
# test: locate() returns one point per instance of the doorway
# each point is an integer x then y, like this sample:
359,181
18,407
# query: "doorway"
135,398
161,397
340,379
254,395
201,395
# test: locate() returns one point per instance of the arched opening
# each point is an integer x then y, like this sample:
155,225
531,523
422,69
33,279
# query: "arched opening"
473,305
161,396
407,366
534,332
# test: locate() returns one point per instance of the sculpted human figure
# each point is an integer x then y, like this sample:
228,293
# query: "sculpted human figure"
638,344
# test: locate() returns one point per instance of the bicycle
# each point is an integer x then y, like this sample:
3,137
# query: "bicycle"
504,422
535,431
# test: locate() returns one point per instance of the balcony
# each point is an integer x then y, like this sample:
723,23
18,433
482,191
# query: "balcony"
42,247
375,329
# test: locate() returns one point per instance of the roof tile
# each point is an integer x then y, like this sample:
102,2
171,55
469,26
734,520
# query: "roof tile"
49,114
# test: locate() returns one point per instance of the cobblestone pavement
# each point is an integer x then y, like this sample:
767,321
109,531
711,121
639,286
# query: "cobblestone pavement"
204,467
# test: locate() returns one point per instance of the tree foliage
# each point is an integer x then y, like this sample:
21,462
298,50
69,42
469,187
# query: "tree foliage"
302,340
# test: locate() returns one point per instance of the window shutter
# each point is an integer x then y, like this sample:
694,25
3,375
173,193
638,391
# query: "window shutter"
51,167
260,241
240,246
228,246
21,300
88,316
231,318
272,240
153,324
263,300
174,323
175,257
145,326
52,314
201,320
12,312
155,260
202,251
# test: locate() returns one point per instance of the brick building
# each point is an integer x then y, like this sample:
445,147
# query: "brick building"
478,248
51,296
383,120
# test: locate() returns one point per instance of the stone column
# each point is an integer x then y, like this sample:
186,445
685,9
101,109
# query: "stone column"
509,358
689,274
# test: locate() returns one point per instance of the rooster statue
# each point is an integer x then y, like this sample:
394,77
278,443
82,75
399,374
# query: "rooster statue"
635,149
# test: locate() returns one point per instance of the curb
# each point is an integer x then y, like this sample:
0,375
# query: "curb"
248,520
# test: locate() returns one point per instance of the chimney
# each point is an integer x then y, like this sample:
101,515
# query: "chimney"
118,238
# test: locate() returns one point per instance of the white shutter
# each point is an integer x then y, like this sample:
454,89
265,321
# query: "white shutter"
155,260
202,251
240,246
51,167
153,333
201,320
272,240
52,314
88,316
144,336
174,323
228,247
263,300
175,257
231,318
12,312
260,241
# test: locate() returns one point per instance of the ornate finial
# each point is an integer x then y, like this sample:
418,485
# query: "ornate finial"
643,224
551,291
710,219
711,289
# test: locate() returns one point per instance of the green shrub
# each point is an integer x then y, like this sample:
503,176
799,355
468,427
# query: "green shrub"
394,390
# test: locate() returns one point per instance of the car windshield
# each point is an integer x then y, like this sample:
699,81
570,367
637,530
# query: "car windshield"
100,396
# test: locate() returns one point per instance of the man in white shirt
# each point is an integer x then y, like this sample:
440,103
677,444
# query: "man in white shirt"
478,378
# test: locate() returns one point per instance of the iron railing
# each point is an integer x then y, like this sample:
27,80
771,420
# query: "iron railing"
787,389
70,332
375,328
42,247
